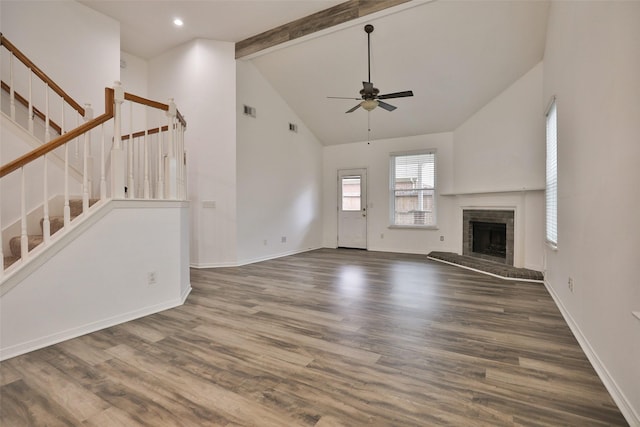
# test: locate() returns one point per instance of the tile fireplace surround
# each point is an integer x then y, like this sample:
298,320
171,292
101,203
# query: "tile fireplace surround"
488,216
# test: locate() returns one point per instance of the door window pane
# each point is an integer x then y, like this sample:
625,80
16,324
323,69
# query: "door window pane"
350,193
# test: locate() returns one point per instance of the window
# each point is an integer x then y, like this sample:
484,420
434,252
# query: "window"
551,191
413,189
351,193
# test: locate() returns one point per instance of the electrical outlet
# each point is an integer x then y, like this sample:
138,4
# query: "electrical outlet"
284,239
442,238
152,278
570,284
264,242
382,235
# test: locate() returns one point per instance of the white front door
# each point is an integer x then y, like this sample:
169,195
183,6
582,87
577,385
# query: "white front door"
352,208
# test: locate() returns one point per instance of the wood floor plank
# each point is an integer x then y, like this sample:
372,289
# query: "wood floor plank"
322,338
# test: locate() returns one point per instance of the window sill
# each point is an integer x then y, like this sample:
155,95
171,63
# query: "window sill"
414,227
551,246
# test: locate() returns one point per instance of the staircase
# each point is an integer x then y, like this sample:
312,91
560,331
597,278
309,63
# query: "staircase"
96,158
34,240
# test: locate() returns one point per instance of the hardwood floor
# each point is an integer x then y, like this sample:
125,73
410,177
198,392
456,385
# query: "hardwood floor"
323,338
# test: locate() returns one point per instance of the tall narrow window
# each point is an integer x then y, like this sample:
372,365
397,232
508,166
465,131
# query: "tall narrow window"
551,189
413,189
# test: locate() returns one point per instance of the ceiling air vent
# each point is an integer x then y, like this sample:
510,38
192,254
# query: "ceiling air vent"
293,127
249,111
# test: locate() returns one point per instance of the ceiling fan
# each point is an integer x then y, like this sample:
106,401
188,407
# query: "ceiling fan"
369,94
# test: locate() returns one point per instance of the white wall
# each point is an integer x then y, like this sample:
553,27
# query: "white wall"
91,286
279,174
77,47
501,147
592,66
201,77
134,76
500,150
375,158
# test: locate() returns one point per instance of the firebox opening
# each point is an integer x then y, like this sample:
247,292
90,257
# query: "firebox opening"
489,239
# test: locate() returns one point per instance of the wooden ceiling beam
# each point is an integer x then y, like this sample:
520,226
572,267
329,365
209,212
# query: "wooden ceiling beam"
344,12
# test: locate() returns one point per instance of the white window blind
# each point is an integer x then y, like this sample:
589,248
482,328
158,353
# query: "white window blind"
413,189
551,190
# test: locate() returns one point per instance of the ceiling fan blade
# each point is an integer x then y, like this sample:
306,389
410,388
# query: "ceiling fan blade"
396,95
386,106
342,97
353,109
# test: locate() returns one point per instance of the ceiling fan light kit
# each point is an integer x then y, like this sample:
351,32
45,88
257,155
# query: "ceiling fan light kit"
368,93
369,104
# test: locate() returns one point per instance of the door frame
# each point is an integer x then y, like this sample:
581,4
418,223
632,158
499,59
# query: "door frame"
362,171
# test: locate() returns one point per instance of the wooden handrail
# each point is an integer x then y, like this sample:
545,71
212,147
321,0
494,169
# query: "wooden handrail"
62,139
22,100
148,102
38,72
155,104
141,133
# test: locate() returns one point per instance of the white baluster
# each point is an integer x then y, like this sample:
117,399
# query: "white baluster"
46,224
85,177
77,140
67,208
117,155
88,158
160,187
183,164
103,166
47,125
30,102
62,128
171,174
130,181
12,96
24,237
62,125
147,188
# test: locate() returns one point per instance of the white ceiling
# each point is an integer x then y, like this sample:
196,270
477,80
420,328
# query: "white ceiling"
146,28
455,55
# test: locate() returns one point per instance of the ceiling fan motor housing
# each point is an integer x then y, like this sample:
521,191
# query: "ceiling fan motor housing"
369,94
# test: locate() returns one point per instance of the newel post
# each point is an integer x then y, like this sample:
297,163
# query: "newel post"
117,154
171,176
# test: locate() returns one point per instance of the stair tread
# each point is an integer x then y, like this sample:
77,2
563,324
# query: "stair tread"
9,260
55,224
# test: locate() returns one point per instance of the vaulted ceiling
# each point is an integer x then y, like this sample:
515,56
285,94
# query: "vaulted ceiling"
455,55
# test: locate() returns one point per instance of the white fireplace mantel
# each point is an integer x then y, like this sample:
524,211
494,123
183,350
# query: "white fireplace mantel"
482,192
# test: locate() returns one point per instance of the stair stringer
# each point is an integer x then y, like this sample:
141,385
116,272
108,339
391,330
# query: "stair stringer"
97,275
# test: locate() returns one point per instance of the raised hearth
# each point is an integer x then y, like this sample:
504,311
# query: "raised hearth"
485,266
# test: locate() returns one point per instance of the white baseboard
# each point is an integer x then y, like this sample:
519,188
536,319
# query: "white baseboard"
251,260
26,347
624,404
185,294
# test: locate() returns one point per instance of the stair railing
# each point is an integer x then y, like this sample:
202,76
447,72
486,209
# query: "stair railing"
142,164
134,164
43,89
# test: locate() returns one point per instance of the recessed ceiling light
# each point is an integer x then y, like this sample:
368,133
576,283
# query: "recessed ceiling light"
178,22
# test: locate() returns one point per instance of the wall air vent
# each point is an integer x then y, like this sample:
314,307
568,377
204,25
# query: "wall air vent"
293,127
249,111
